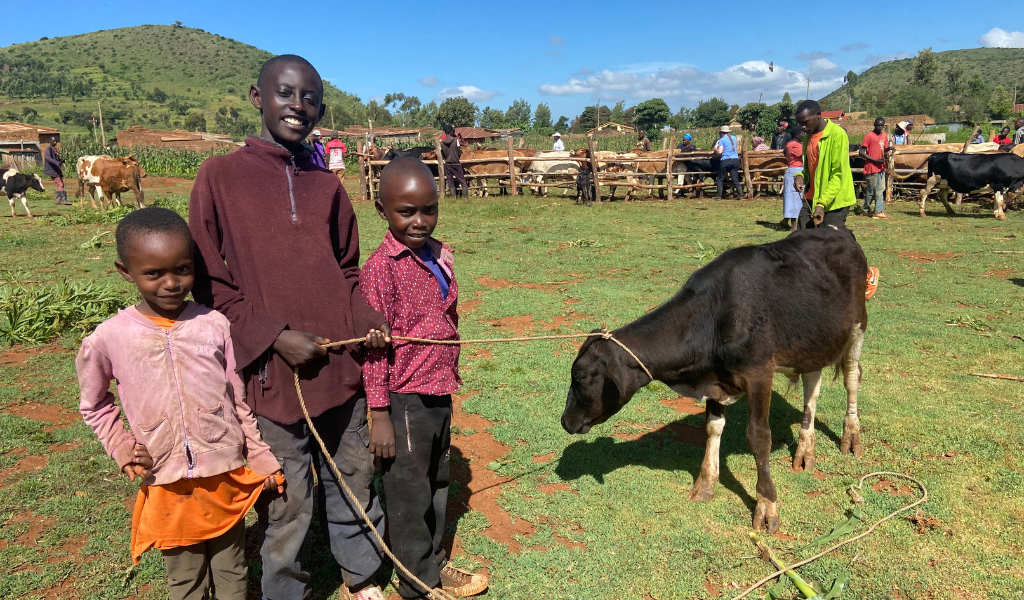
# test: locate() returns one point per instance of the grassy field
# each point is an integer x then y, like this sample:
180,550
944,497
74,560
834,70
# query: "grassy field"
605,515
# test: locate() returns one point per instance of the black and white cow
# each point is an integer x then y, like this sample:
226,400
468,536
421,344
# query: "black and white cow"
794,306
16,184
965,173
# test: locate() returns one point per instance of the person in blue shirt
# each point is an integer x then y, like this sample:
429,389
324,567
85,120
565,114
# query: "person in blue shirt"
729,164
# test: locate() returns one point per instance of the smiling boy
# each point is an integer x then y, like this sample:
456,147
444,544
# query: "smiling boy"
279,257
410,279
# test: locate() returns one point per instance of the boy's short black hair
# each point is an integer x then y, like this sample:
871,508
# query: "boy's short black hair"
147,221
400,169
291,59
810,105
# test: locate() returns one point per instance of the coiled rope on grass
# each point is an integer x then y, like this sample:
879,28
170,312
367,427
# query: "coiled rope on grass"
432,593
857,499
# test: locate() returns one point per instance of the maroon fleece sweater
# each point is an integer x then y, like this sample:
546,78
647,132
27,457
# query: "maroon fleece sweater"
278,248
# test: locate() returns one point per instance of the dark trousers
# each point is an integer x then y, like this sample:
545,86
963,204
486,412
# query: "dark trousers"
453,173
218,563
732,168
416,486
836,218
284,519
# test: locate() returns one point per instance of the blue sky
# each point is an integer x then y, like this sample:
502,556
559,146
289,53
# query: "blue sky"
565,54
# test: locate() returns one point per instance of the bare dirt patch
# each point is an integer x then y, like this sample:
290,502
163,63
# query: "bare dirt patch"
504,284
54,448
923,521
712,589
544,458
569,543
469,306
481,353
784,536
564,321
519,325
812,494
36,526
1000,273
18,355
822,476
634,431
167,185
57,416
924,258
551,488
70,549
26,464
684,405
888,487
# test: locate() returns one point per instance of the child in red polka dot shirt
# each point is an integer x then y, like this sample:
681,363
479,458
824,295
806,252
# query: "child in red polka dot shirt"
409,279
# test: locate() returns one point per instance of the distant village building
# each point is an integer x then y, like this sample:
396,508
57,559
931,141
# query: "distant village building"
22,145
611,127
178,139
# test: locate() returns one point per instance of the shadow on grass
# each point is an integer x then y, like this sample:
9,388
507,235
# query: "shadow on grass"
679,445
1017,282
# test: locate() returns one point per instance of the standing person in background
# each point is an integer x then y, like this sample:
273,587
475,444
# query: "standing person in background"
317,149
451,148
336,158
558,145
873,152
791,202
782,136
725,147
1003,137
642,142
52,163
1018,137
901,137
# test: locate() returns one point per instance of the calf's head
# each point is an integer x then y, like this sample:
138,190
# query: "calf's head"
36,183
132,163
604,379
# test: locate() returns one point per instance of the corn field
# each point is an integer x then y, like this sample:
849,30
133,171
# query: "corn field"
158,162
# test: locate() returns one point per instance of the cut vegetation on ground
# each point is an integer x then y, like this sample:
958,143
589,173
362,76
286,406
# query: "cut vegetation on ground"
605,515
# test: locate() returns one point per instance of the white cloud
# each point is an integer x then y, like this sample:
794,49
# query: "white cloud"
556,41
812,55
685,84
469,92
430,81
856,46
873,59
554,52
1000,38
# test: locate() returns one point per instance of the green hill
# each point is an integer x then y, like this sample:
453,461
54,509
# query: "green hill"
159,76
893,80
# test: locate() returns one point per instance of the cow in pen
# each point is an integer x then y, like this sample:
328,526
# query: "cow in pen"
964,173
794,306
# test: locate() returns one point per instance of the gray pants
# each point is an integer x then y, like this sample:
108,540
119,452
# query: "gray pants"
220,561
874,188
285,519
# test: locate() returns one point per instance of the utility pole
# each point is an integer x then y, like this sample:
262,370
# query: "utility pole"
332,118
103,132
808,96
598,111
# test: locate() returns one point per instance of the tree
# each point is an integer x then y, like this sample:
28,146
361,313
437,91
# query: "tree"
1000,104
786,108
711,113
542,117
195,121
518,114
491,118
851,82
925,67
29,115
457,112
159,96
377,113
955,82
588,118
977,88
683,119
562,123
651,114
627,116
750,114
618,112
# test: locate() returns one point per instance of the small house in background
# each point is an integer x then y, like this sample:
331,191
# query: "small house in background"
178,139
22,145
476,135
611,128
834,115
383,135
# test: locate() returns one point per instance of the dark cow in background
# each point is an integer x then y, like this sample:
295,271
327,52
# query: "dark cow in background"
15,184
965,173
793,306
424,153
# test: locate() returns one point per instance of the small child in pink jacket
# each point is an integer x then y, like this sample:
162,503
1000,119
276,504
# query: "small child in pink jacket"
189,431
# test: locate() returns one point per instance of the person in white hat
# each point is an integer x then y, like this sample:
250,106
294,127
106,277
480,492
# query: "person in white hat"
725,147
316,149
901,137
558,145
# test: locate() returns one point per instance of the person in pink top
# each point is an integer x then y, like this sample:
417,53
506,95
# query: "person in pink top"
791,198
409,279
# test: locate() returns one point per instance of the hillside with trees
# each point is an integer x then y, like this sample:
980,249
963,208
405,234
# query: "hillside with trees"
970,85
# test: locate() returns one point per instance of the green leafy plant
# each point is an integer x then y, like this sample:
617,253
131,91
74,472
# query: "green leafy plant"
37,314
95,242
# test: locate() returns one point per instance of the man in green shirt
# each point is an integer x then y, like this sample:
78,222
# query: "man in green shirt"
829,191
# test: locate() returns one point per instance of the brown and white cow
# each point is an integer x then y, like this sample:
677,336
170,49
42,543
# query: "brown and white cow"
109,177
497,169
542,171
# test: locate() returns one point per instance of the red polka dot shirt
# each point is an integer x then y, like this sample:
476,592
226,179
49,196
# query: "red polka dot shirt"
397,283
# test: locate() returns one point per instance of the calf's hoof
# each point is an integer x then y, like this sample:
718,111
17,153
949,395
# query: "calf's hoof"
702,491
1001,216
922,212
766,515
804,457
850,443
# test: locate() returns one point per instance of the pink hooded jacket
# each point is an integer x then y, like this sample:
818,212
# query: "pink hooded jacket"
180,394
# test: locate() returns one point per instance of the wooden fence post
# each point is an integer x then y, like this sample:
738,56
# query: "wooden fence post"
362,172
440,170
746,169
512,166
593,166
668,165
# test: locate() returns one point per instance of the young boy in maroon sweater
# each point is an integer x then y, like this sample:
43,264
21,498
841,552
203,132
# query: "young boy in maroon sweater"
410,279
278,255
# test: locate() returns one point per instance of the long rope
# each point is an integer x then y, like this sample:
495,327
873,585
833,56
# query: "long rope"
857,498
432,593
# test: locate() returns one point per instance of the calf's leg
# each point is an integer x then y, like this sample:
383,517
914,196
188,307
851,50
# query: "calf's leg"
11,200
804,457
944,197
932,180
704,487
24,202
999,214
759,436
851,380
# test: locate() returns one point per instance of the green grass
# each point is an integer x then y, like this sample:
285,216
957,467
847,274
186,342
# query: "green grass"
935,319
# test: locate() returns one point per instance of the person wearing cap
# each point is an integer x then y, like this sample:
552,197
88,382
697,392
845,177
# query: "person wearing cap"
782,137
316,149
729,164
901,137
558,145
